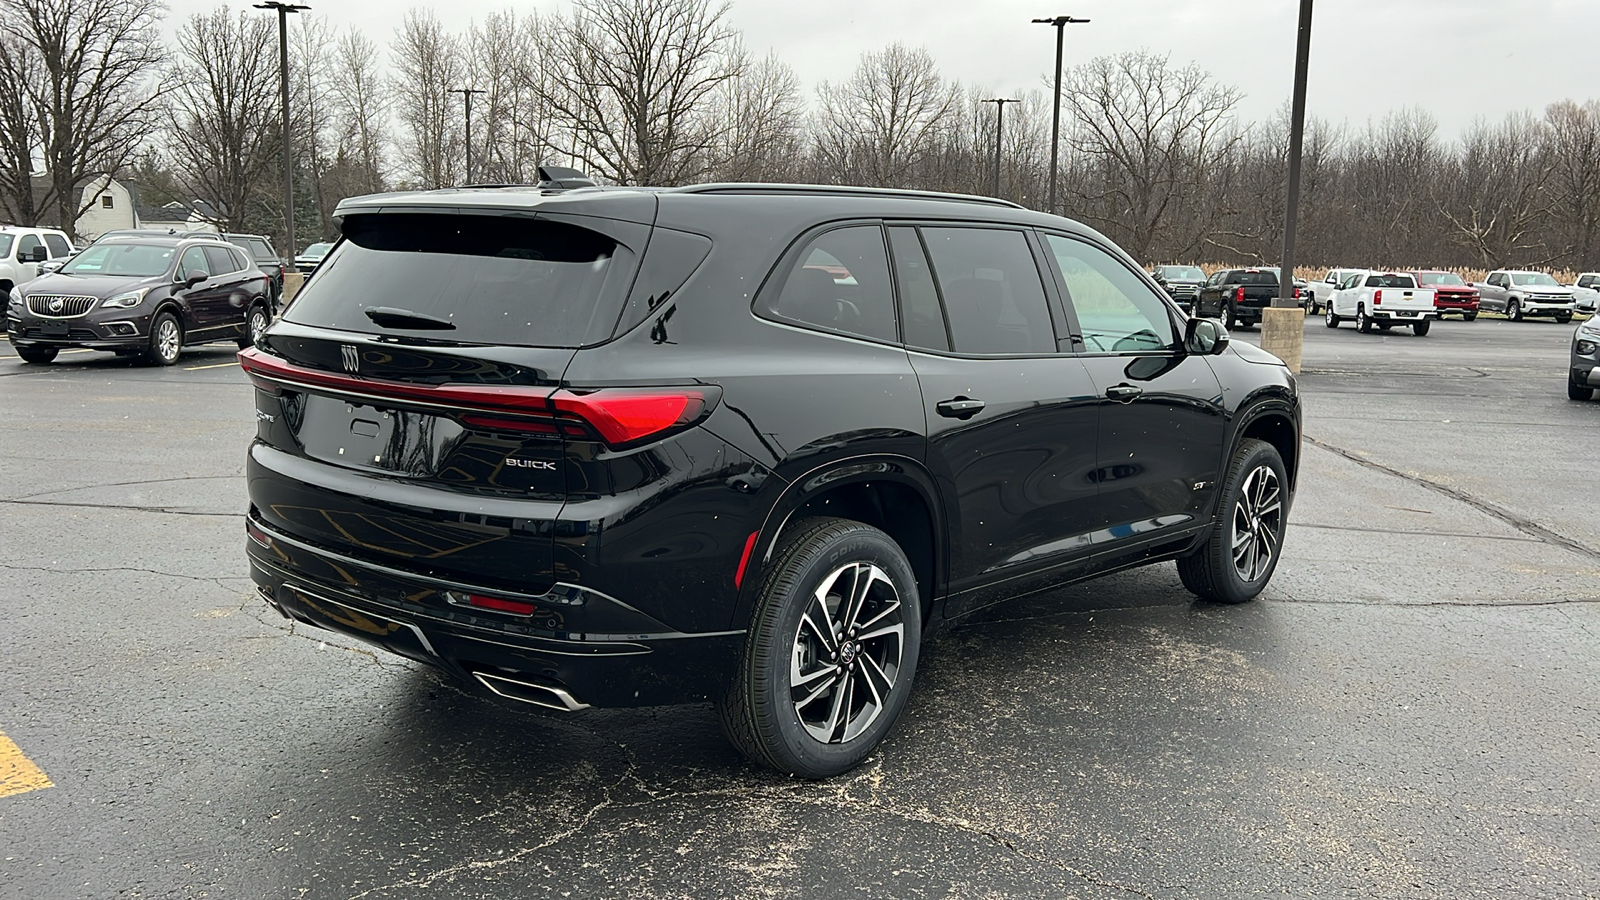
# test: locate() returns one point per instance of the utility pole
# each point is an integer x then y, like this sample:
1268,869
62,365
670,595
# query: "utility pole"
466,96
284,9
999,125
1283,326
1060,23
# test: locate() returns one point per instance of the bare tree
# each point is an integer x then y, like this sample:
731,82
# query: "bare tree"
1495,195
1574,143
360,103
1147,136
19,135
427,64
310,106
889,117
636,78
511,127
223,112
92,86
762,117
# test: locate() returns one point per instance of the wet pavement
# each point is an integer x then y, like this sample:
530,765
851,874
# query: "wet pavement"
1410,711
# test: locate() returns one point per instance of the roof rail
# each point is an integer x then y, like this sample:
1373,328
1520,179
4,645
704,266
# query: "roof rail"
841,191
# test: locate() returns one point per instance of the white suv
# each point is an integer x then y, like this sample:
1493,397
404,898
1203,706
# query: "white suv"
23,249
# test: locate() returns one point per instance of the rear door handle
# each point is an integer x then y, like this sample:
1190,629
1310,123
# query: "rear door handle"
1123,393
959,407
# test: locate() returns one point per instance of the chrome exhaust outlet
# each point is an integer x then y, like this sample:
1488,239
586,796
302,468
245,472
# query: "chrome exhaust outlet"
530,692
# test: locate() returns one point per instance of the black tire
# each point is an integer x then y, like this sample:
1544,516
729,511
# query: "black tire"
1363,321
1563,318
38,355
1514,311
1333,319
1576,391
1469,317
1232,319
761,714
1420,328
1385,326
255,322
165,345
1213,572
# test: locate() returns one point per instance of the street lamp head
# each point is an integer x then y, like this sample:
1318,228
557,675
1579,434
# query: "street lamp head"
1059,21
283,7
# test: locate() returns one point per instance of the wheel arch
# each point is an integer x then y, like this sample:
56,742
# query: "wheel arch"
894,494
1275,422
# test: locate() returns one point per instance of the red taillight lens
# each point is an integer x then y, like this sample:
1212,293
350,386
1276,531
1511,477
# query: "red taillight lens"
626,415
618,415
1377,297
1238,294
1297,293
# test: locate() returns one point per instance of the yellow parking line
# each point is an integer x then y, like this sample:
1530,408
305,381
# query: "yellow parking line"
18,774
213,366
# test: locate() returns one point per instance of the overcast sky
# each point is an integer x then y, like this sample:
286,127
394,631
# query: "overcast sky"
1457,59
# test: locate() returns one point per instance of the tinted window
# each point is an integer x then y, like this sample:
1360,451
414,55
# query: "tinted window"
919,299
993,297
27,245
841,283
134,260
240,261
496,279
1254,278
1440,278
220,261
1390,281
1587,281
259,249
1351,282
1116,310
57,244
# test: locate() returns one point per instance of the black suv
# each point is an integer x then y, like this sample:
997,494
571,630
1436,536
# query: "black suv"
259,248
146,295
620,447
1182,283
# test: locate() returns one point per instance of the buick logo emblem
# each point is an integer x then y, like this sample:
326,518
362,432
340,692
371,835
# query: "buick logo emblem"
55,304
351,357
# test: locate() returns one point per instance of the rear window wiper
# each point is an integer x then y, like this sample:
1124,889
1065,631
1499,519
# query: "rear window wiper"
390,317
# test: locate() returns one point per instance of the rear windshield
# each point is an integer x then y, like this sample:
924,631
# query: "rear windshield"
1391,281
495,279
1254,278
1441,278
131,260
1190,273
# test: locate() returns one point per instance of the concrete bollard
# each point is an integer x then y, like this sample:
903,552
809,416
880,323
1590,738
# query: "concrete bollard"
292,282
1283,334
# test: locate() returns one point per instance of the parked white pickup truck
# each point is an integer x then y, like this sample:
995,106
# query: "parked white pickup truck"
1384,299
1586,292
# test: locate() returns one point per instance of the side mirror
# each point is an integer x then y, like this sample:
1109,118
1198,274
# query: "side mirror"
194,277
1205,337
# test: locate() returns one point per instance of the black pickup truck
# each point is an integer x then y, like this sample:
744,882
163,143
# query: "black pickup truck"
1237,296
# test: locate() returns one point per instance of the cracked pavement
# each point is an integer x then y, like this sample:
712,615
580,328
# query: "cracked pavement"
1410,711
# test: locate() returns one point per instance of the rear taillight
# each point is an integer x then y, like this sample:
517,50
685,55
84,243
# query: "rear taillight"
618,416
1238,294
1377,297
1297,293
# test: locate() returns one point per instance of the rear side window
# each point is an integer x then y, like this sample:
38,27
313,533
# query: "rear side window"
993,297
221,261
841,283
259,249
57,244
919,299
490,279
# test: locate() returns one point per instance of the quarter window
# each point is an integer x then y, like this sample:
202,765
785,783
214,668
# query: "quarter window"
841,284
993,297
1116,310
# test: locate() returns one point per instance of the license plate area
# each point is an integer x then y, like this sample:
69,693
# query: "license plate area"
53,329
361,436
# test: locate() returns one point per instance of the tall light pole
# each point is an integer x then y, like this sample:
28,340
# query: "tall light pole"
1060,23
283,74
1283,325
999,124
466,96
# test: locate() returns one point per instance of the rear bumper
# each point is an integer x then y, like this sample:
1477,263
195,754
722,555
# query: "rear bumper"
1404,315
578,643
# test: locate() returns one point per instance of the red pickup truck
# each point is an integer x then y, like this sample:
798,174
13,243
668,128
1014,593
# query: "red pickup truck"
1450,293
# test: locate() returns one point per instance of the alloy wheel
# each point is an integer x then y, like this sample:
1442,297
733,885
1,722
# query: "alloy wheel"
1257,523
258,324
168,340
847,653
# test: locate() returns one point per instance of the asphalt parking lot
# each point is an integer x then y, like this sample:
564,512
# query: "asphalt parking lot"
1411,710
